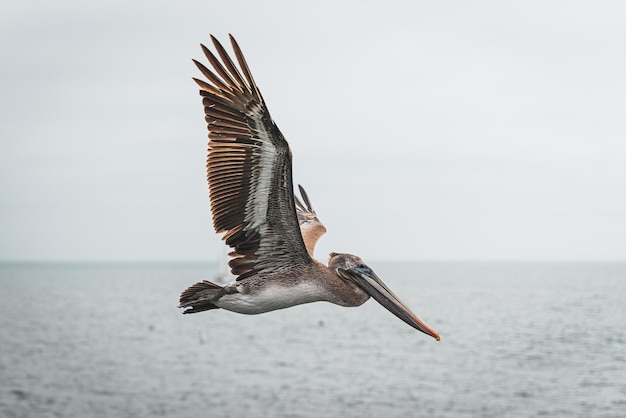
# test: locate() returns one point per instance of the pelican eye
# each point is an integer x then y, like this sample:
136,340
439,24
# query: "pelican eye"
363,268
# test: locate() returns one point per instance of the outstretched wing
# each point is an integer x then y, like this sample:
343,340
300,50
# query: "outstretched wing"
310,226
248,169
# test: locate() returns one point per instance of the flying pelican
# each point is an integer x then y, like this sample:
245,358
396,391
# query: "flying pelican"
271,232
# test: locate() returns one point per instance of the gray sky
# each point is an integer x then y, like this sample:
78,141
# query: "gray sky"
422,130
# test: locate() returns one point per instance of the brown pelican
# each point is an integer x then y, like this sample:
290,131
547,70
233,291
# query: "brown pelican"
271,232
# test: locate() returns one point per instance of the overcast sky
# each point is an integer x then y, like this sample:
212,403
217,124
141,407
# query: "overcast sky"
422,130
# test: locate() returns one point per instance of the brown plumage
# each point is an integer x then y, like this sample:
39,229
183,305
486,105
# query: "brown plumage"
272,234
311,228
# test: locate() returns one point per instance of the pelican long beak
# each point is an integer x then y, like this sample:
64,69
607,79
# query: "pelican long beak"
367,280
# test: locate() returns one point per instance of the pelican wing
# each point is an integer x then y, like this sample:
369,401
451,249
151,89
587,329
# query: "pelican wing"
310,226
248,169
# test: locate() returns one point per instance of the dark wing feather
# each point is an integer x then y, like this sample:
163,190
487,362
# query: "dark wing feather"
248,169
310,226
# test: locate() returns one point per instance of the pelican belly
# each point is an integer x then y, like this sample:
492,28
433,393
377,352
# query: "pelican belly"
270,297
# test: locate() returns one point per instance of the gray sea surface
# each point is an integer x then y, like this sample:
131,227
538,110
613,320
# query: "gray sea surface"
518,340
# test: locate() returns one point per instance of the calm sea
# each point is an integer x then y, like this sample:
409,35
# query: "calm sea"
518,340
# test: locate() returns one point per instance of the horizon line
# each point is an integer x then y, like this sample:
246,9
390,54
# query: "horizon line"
433,260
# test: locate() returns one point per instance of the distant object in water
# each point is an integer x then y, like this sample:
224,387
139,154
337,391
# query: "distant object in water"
271,232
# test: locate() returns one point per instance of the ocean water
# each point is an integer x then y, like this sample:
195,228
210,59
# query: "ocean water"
518,340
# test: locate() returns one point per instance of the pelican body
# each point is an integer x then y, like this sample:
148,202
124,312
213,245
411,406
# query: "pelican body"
272,233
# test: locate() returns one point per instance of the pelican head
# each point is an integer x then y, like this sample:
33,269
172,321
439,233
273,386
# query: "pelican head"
352,269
